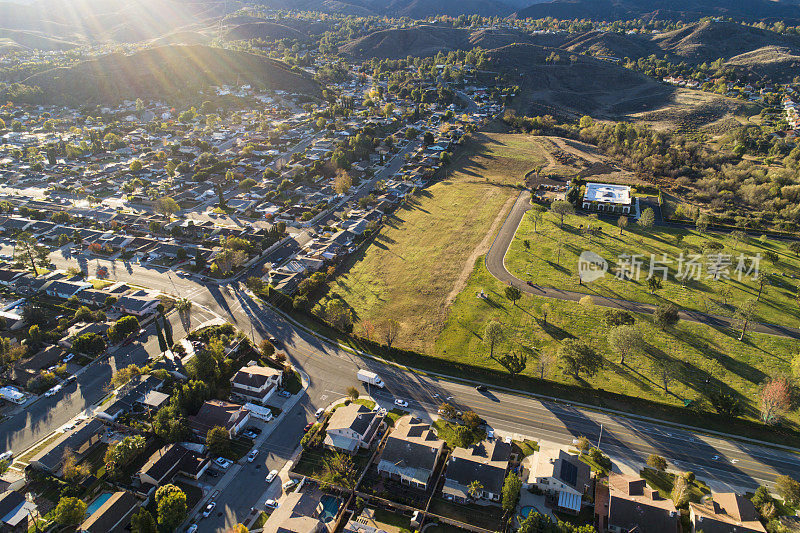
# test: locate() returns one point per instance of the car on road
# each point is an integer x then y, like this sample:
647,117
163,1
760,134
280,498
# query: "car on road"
490,433
271,338
319,412
308,427
289,484
284,394
401,403
53,391
6,456
252,456
209,509
482,388
73,377
192,528
272,475
223,463
249,434
271,504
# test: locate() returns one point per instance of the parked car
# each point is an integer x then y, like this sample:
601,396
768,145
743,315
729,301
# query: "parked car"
249,434
68,357
6,456
271,504
481,388
271,476
308,427
223,463
401,403
253,429
252,456
212,473
319,412
289,484
284,394
53,391
209,509
192,528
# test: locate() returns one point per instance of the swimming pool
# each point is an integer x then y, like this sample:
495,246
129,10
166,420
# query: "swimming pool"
97,503
525,511
330,507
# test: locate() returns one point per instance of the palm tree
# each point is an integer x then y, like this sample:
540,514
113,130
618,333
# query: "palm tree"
184,307
475,490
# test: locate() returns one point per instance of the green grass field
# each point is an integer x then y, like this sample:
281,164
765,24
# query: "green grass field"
413,268
540,263
705,360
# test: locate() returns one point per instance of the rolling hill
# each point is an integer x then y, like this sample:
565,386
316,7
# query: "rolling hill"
748,10
268,31
165,72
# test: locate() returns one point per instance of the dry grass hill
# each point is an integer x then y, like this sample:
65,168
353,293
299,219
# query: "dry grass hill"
269,31
165,72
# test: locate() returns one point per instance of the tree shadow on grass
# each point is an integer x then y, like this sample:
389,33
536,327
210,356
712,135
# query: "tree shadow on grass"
554,331
743,370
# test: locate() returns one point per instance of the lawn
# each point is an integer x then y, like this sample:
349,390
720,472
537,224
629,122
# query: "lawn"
525,448
313,460
539,261
663,482
418,262
703,360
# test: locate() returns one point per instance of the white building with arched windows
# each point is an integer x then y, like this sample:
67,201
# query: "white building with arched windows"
608,198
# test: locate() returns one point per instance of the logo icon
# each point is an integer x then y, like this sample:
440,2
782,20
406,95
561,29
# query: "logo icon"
591,266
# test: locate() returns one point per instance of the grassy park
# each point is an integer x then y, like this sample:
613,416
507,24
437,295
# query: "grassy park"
550,258
699,361
413,268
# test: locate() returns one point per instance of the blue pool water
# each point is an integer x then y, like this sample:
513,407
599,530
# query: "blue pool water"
99,501
525,511
330,506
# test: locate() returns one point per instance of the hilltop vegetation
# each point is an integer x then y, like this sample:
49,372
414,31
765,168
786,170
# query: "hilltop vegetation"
165,72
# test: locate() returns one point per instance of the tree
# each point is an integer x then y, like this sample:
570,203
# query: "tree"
647,219
622,223
123,328
446,410
471,420
513,294
352,393
744,313
266,348
339,315
625,340
654,283
795,247
665,316
666,369
775,399
166,206
738,237
247,184
390,331
428,138
171,505
514,362
657,462
218,440
492,335
136,165
510,494
69,511
143,522
30,251
475,490
702,223
34,335
340,470
561,208
579,357
342,182
788,489
537,214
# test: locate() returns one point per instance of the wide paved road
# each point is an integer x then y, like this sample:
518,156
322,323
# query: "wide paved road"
723,462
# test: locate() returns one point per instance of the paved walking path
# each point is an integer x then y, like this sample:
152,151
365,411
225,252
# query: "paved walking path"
495,263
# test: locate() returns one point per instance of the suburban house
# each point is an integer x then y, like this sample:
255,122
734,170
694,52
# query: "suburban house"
628,504
725,512
607,198
411,452
137,305
64,289
79,441
296,515
229,416
114,516
560,475
169,461
14,512
352,427
485,462
256,383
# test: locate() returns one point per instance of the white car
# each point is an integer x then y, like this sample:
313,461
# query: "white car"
271,504
209,509
68,357
192,528
401,403
53,391
252,456
289,484
223,463
6,456
271,476
319,412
